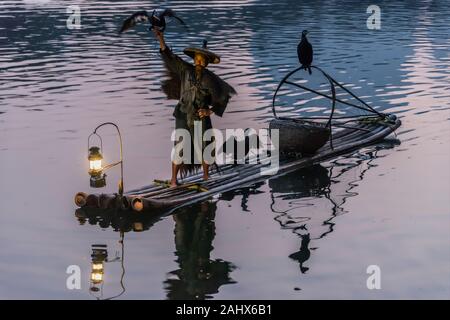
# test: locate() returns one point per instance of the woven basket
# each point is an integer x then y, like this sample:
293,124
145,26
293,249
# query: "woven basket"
297,136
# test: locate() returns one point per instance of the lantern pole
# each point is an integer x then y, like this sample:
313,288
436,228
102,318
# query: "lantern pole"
121,154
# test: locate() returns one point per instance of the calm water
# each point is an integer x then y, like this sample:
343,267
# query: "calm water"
310,234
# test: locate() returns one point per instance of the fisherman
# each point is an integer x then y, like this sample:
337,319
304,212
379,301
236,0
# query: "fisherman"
197,89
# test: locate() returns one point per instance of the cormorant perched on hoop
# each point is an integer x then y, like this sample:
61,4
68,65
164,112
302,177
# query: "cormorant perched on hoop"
157,20
305,52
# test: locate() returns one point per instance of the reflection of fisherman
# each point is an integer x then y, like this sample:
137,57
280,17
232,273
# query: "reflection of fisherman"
198,276
196,88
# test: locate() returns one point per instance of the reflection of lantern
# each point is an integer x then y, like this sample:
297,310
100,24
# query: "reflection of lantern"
99,259
97,273
99,256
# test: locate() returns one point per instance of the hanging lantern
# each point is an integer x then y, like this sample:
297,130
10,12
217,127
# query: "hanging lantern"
96,165
95,159
98,178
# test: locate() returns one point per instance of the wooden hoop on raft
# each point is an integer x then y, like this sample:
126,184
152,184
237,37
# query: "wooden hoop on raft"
365,106
330,80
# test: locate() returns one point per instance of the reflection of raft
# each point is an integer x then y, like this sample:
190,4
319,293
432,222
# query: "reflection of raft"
156,198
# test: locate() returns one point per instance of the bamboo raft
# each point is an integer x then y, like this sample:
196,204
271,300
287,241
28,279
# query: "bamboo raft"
158,198
341,134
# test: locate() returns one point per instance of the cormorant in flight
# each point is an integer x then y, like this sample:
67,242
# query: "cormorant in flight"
157,19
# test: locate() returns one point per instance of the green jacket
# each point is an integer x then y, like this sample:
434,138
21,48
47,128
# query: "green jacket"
193,93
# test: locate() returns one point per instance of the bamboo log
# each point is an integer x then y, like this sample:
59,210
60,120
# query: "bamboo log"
80,199
140,204
92,201
126,201
107,201
155,187
181,189
80,214
138,227
355,137
211,183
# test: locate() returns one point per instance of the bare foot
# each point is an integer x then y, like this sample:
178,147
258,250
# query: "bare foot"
173,184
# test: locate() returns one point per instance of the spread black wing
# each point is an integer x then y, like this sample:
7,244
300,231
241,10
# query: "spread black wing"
172,85
171,14
141,16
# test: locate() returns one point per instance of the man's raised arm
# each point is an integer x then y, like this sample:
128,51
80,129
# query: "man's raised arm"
172,62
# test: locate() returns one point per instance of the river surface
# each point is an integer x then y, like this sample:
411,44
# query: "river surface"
309,234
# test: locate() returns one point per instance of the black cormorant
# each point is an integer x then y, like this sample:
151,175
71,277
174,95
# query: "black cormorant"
305,52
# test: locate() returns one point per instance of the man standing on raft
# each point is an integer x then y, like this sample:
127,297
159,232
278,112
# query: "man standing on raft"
197,89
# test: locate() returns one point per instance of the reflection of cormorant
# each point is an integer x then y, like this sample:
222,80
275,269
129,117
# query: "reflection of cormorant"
304,188
198,276
305,52
303,254
305,183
